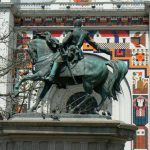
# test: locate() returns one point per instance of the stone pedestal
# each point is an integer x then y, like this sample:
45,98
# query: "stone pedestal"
65,134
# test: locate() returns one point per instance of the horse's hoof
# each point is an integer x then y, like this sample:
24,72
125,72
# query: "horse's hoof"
108,113
97,109
115,98
31,109
43,115
104,113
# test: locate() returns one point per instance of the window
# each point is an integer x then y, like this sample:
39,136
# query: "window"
124,40
108,40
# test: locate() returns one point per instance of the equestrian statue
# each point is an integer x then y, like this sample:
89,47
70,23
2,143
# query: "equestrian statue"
65,64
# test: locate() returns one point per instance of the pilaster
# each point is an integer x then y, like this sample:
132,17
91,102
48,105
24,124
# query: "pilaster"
6,49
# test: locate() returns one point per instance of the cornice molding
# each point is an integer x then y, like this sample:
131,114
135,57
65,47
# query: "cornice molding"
147,6
6,5
137,28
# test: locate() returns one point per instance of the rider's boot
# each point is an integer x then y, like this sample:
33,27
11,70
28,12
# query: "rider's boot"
53,71
81,56
79,53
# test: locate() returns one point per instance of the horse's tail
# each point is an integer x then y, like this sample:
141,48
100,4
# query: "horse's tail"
122,71
115,78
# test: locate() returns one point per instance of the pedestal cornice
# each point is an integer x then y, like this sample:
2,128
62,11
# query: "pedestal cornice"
106,129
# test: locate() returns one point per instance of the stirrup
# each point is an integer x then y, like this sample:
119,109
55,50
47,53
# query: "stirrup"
51,79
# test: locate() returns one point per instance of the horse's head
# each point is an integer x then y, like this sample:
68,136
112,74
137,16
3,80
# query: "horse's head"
37,49
32,52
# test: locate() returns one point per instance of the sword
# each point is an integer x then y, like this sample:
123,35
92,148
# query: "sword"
62,52
68,65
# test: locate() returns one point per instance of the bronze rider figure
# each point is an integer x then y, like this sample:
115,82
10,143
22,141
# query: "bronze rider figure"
72,44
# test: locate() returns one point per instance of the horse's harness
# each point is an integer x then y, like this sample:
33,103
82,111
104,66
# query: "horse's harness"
61,52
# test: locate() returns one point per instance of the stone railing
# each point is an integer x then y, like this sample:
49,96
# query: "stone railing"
80,6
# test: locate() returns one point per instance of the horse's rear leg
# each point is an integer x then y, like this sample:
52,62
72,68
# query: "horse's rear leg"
43,93
45,89
88,87
104,96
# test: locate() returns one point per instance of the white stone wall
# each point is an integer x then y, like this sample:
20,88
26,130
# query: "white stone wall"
5,1
6,46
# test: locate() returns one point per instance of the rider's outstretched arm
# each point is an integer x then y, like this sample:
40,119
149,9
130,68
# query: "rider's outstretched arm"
104,50
97,46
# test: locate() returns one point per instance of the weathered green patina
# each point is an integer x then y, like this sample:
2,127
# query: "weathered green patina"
54,61
92,71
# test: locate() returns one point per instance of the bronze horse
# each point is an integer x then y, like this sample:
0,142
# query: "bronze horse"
92,71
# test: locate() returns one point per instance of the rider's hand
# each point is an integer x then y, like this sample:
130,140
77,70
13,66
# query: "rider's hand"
61,45
104,50
108,51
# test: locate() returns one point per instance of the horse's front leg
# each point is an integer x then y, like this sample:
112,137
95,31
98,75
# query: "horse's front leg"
34,107
17,85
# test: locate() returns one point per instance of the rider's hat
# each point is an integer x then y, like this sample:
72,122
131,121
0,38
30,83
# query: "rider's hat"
78,23
47,34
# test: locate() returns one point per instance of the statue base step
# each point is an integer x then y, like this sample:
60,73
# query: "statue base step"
60,116
64,134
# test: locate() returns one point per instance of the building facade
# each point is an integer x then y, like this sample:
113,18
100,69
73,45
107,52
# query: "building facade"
123,27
